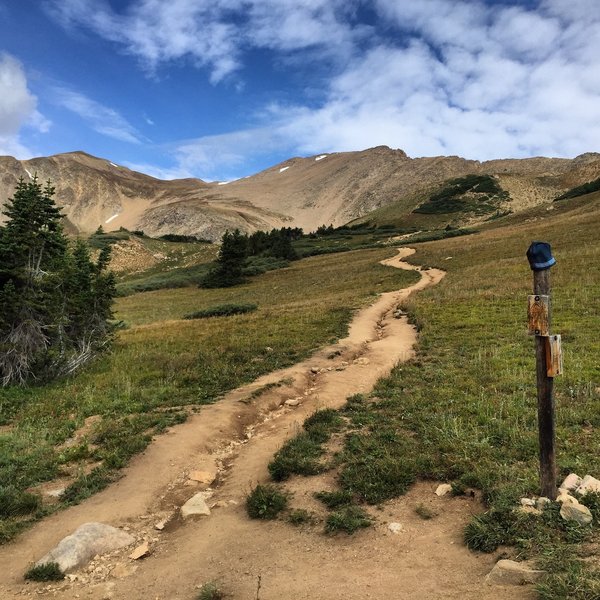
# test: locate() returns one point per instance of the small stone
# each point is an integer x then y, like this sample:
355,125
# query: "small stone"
527,502
206,477
56,493
268,349
576,512
292,402
572,482
196,505
161,524
140,552
314,369
443,489
396,527
510,572
589,484
362,361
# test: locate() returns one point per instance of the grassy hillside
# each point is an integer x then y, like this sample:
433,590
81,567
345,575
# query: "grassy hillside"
464,410
163,365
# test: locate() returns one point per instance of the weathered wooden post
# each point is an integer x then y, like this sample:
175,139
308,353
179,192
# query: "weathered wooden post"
548,360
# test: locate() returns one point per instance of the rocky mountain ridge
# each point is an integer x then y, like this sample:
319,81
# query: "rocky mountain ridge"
304,192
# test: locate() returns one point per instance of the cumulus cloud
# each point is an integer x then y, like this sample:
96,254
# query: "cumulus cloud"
100,118
475,78
18,108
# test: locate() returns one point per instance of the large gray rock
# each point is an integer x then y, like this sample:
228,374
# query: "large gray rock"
196,505
576,512
510,572
84,543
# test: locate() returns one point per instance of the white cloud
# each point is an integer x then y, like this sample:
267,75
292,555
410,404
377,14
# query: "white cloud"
213,34
102,119
158,172
18,108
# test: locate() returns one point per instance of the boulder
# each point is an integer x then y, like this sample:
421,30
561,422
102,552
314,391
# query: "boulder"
572,482
588,484
576,512
510,572
84,543
396,527
204,477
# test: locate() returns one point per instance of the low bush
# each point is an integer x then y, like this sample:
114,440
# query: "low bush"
265,502
222,310
348,519
48,572
298,456
15,503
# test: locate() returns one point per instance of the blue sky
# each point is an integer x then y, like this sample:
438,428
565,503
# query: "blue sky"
219,89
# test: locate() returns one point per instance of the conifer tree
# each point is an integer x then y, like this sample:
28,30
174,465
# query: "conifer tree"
228,268
54,301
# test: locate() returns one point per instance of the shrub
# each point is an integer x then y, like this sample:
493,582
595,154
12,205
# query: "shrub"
48,572
334,499
222,310
210,591
349,519
265,502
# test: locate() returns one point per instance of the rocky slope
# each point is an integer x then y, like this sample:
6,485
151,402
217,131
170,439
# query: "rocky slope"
305,192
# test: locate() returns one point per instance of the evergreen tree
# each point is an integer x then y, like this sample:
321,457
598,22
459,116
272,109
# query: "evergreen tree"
54,300
227,271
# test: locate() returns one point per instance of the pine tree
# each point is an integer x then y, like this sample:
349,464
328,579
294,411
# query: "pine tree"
54,300
228,268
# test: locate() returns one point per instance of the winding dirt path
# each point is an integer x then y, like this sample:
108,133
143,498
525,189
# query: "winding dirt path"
236,438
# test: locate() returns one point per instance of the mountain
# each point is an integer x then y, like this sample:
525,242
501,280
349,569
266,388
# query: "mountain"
305,192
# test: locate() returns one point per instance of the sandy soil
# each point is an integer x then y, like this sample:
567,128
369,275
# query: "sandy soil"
268,560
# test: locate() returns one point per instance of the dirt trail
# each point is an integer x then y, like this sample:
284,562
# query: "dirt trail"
236,438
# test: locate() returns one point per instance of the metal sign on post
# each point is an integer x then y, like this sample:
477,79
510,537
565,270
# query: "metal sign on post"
548,354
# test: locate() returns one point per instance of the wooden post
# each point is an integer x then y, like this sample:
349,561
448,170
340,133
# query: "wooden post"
545,385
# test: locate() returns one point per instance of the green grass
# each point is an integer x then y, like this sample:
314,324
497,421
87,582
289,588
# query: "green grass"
210,591
222,310
265,502
48,572
162,367
348,519
334,499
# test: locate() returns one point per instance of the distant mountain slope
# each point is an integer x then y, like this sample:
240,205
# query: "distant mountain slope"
306,192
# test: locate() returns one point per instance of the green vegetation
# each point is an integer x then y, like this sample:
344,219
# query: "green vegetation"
55,301
265,502
222,310
14,502
334,499
581,190
425,512
300,516
175,278
348,519
474,194
48,572
301,454
210,591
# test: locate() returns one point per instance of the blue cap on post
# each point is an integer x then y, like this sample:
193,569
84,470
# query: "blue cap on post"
540,256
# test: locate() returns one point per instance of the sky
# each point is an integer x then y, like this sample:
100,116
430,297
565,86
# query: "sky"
221,89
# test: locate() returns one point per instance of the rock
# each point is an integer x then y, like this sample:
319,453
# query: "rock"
396,527
542,502
443,489
589,484
205,477
140,552
196,505
576,512
292,402
510,572
56,493
527,502
530,510
572,482
314,370
565,498
362,361
84,543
